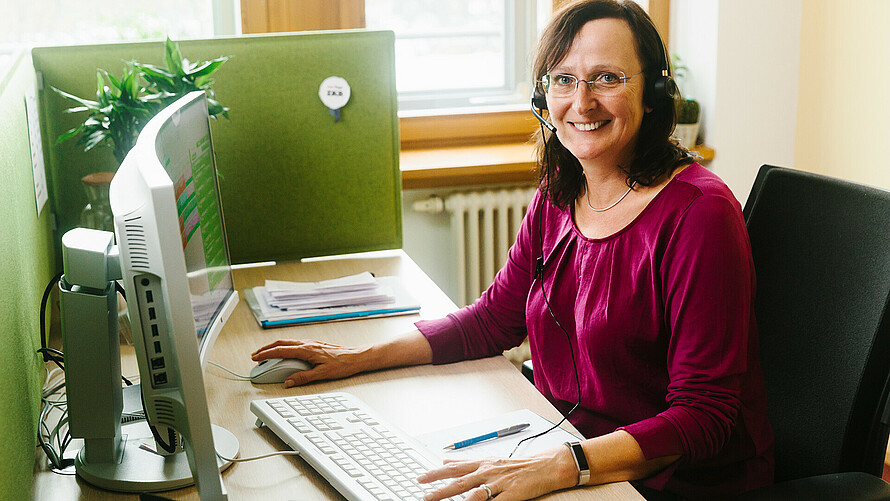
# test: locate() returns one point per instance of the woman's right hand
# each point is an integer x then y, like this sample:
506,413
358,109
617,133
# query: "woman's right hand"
329,361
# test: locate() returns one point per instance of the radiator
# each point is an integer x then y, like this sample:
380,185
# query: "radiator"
484,225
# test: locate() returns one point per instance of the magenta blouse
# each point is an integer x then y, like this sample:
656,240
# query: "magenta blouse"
659,317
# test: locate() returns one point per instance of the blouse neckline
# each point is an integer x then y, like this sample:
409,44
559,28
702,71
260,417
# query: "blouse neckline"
628,226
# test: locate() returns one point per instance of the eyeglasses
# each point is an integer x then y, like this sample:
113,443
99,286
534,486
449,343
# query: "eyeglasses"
606,83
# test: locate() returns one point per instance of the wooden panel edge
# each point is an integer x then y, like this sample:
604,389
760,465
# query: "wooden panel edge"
466,129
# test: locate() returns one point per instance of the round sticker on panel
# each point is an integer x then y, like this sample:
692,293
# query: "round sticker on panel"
334,93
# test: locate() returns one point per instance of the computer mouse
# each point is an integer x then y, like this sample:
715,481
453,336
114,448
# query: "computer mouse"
276,370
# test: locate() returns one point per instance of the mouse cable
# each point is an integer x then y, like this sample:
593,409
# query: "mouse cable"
239,376
254,458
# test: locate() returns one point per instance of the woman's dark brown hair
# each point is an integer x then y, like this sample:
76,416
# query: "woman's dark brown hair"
655,154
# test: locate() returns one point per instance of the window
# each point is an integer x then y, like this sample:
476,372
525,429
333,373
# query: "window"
63,22
460,53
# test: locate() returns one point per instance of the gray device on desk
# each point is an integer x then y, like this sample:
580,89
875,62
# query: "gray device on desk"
276,370
173,259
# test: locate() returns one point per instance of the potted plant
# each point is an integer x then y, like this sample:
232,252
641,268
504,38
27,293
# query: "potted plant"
688,109
117,115
124,105
122,108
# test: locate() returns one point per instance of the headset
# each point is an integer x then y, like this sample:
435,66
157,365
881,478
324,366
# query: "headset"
660,91
540,102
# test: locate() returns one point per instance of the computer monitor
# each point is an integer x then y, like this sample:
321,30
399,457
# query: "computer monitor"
175,270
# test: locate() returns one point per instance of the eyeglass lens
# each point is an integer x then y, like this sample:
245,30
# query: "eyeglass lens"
606,83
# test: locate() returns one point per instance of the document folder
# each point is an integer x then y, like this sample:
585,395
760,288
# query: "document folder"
269,317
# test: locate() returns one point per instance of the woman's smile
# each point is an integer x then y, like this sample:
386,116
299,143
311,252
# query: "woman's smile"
589,126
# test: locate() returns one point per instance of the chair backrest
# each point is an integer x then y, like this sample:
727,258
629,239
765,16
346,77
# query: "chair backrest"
821,250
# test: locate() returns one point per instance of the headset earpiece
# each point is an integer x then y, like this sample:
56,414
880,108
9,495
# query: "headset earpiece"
662,89
539,101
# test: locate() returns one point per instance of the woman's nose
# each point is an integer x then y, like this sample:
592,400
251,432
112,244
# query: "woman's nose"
584,98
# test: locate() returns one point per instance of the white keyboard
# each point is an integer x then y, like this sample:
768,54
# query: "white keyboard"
345,441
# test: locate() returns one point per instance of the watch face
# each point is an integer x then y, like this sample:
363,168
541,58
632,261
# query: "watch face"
580,462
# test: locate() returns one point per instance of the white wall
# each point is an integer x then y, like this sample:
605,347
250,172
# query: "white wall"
743,59
426,238
843,104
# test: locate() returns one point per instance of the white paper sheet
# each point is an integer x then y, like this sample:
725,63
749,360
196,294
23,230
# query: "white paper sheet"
497,447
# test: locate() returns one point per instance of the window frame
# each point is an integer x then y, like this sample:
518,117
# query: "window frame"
519,23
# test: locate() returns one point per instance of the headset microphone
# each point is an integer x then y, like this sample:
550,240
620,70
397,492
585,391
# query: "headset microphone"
539,101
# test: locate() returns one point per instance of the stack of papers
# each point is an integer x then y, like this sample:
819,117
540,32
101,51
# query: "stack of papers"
353,290
280,303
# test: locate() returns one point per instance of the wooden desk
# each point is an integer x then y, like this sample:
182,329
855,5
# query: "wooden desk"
417,399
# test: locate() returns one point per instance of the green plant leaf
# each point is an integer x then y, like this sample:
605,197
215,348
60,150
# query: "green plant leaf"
93,139
173,57
156,76
207,67
688,111
86,103
101,94
114,81
214,108
69,134
76,109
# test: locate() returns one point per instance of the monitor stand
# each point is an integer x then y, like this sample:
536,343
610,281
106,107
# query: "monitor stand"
140,469
115,456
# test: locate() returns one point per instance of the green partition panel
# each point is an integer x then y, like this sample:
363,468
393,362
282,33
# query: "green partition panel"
295,183
26,248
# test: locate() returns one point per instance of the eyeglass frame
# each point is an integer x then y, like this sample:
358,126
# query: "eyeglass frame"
591,85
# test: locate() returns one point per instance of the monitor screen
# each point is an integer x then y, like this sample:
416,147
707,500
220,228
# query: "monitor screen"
183,147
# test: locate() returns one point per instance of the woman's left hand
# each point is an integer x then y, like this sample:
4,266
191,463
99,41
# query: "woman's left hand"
507,479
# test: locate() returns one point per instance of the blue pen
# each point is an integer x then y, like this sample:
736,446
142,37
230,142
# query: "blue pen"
495,434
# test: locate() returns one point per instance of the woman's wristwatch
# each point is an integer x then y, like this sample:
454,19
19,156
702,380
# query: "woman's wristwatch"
580,462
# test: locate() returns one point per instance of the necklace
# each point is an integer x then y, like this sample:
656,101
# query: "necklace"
604,209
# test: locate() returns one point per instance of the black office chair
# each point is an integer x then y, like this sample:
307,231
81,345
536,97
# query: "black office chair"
821,250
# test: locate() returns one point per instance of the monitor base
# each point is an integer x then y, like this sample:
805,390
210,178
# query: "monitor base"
141,470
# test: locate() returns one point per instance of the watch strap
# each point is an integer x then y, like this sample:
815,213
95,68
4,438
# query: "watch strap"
580,462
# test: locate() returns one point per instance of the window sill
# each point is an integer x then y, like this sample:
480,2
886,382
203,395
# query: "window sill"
478,165
466,129
467,165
